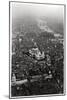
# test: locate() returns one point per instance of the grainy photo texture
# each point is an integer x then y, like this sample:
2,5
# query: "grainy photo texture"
36,49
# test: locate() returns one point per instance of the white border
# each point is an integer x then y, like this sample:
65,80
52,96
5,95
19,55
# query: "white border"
10,50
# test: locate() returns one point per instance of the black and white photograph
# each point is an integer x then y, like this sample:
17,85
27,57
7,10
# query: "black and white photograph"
37,49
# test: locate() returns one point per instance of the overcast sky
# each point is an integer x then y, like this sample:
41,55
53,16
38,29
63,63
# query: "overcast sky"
37,10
